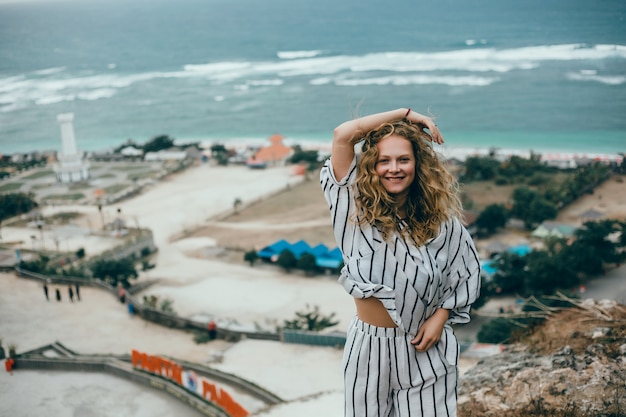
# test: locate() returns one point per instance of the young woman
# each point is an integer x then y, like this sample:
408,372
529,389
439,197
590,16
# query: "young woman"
409,264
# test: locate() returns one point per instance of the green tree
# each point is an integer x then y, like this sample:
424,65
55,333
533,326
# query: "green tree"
522,198
540,210
597,237
219,153
492,218
12,204
480,168
287,260
530,207
307,263
158,143
39,265
251,256
310,158
311,319
498,330
547,273
114,271
510,274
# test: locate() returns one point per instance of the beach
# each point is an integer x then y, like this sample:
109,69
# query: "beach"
308,378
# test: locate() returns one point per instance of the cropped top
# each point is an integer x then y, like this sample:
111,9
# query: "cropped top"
411,281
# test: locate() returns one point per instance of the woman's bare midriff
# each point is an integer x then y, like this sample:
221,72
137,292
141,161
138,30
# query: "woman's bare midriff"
372,311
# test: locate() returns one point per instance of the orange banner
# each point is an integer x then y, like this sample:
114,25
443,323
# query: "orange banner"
174,372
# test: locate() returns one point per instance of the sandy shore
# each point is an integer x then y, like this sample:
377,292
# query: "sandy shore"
308,378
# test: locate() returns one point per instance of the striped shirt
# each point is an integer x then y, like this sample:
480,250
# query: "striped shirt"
410,281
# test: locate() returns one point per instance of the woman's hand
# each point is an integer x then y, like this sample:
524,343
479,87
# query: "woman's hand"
430,332
426,122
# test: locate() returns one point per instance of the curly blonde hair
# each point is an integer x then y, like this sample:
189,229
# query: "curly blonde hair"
432,197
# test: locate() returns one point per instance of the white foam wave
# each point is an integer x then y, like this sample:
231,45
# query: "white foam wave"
274,82
419,80
297,54
49,71
397,68
472,42
54,99
97,94
592,76
13,107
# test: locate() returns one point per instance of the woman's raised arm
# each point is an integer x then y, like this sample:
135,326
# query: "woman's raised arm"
342,151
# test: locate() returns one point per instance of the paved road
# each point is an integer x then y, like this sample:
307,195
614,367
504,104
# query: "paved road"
611,286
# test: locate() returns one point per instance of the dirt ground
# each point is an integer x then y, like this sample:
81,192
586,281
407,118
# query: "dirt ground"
575,327
301,213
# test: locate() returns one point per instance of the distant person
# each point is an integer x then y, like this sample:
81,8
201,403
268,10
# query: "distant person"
58,293
410,264
8,365
77,292
121,293
212,327
45,291
70,292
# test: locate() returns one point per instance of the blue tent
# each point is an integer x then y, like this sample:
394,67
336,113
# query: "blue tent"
300,248
324,258
274,249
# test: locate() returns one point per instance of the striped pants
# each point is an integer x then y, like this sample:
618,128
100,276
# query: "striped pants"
385,376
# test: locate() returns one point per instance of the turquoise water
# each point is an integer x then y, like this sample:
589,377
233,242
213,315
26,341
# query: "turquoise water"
495,72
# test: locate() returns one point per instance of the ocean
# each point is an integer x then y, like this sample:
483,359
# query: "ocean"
541,75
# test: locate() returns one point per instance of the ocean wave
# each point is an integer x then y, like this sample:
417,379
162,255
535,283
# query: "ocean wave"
410,80
49,71
273,82
97,94
297,54
54,99
587,75
454,67
472,42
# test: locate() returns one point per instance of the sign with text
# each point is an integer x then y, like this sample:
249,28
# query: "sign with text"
186,378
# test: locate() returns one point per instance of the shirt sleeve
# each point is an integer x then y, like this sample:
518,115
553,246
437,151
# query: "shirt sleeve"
463,275
339,195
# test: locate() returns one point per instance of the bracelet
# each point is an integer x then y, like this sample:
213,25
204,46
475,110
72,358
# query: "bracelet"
407,113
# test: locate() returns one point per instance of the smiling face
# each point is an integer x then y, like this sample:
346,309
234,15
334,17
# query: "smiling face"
396,165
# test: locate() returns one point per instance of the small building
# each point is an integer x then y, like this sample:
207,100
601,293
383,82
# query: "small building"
555,229
275,154
591,215
172,154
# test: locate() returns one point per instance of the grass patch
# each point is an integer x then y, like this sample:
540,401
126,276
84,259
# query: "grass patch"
131,167
39,174
141,175
79,186
39,186
115,188
12,186
63,218
72,197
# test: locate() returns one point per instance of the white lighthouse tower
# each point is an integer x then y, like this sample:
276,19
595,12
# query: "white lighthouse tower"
71,166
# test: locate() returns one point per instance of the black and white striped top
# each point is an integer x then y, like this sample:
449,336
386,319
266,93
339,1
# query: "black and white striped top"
410,281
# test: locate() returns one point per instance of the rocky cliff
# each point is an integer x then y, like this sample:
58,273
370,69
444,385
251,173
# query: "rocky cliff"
572,365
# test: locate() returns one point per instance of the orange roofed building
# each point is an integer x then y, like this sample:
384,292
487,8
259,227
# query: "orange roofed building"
275,154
